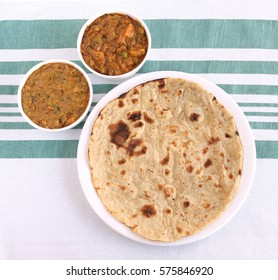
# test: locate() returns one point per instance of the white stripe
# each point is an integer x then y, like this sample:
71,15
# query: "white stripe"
73,134
262,119
35,134
11,119
237,79
236,9
38,54
255,98
260,109
265,134
155,54
214,54
9,110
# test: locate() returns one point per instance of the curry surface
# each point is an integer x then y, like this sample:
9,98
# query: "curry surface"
55,95
114,44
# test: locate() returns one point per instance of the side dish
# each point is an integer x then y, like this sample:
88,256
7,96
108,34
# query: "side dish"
114,44
55,95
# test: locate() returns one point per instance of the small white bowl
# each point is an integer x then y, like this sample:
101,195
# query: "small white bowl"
245,134
113,77
32,70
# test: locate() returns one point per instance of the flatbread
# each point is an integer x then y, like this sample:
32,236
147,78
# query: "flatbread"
165,158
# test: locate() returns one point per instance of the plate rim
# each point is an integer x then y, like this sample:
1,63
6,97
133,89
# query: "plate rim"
249,157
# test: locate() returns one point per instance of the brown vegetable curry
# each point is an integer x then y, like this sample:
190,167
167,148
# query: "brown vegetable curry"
55,95
114,44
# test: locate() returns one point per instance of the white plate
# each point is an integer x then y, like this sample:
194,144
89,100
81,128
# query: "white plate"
246,137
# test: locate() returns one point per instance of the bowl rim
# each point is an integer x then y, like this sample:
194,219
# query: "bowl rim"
125,75
248,166
36,67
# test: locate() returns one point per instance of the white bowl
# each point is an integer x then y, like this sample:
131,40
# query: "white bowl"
116,77
245,134
27,75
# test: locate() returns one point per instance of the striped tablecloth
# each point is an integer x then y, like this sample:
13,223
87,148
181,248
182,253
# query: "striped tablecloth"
43,212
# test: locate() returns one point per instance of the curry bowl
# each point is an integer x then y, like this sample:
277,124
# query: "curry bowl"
114,45
55,95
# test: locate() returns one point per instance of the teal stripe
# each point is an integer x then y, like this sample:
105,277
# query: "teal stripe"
213,66
231,89
245,104
265,114
4,114
241,67
68,149
38,149
267,149
8,105
264,125
8,90
170,33
250,89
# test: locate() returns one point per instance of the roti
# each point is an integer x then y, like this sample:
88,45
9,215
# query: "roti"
165,158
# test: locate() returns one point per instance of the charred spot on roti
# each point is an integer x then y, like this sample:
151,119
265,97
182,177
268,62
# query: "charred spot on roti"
206,205
121,103
200,185
194,117
208,163
122,96
213,140
168,211
239,172
147,118
148,210
160,187
189,169
227,135
161,83
119,133
122,161
179,230
135,91
167,172
133,144
166,159
231,176
134,100
186,204
134,116
237,133
122,172
214,98
122,188
138,124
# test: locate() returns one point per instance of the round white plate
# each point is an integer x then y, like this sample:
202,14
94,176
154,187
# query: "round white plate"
246,137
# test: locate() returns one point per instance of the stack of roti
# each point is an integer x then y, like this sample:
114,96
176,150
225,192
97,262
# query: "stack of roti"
165,158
